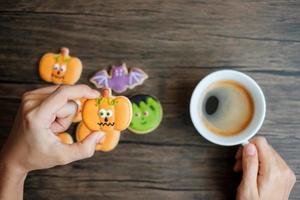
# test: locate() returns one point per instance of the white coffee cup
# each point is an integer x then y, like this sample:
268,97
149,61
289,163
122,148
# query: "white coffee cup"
258,100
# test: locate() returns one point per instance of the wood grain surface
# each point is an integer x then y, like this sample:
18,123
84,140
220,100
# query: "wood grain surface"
177,43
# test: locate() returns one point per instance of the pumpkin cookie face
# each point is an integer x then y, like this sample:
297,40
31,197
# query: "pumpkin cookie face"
147,114
60,68
107,114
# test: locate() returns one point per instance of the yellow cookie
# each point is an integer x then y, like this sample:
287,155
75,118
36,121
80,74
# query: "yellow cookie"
107,114
65,138
60,68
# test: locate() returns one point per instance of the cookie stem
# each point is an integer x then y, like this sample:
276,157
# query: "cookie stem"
105,92
64,51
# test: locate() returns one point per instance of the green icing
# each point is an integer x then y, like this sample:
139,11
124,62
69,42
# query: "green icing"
100,100
146,116
66,59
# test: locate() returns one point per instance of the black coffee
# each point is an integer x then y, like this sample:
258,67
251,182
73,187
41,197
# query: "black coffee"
211,105
227,108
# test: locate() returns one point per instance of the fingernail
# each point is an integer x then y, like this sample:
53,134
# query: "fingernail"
250,150
95,92
100,137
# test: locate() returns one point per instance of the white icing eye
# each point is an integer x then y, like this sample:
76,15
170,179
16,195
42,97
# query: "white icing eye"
63,68
137,114
56,66
102,113
108,113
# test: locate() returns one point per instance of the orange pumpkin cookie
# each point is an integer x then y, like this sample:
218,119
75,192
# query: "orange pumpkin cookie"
60,68
107,114
65,138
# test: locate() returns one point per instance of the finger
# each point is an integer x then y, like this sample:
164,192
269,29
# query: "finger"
28,105
283,167
250,166
290,185
45,90
265,154
70,108
62,95
64,117
31,100
84,149
239,153
277,156
238,166
38,94
61,124
40,97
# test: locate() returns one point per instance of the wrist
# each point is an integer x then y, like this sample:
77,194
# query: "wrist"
10,159
12,180
13,170
9,164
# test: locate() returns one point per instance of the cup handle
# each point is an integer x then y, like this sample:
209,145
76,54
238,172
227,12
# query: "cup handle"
245,143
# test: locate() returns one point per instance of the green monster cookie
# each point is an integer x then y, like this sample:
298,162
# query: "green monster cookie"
147,114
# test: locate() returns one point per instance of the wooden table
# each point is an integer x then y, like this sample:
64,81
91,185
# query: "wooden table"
177,43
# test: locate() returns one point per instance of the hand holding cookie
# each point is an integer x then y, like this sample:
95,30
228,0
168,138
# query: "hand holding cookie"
33,142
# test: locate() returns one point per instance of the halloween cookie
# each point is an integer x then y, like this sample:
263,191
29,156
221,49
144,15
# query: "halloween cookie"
107,114
60,68
147,114
119,78
65,138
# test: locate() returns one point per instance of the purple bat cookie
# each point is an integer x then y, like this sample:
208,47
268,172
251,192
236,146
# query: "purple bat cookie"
119,79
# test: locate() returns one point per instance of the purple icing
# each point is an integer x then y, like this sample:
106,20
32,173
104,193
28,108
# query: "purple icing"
119,79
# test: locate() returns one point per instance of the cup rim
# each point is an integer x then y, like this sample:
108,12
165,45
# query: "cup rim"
195,118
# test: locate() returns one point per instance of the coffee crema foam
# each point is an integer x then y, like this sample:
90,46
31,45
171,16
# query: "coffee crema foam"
227,108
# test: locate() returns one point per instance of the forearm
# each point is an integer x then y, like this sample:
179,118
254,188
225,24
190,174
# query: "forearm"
11,182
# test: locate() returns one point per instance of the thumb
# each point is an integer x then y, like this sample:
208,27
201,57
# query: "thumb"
85,148
250,166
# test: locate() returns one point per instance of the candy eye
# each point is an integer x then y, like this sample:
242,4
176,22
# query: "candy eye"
137,114
56,66
108,113
102,113
63,68
145,113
